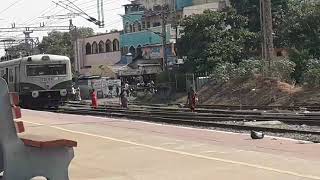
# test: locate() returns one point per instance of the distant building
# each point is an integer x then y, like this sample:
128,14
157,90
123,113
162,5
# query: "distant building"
139,45
199,8
98,50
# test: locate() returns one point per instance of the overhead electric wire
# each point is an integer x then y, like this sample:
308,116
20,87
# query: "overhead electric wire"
69,9
43,13
35,17
105,3
11,5
79,9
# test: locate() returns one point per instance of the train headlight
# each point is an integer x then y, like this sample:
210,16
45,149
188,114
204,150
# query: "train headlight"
63,92
35,94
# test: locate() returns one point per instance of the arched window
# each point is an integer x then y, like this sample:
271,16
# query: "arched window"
108,46
94,48
139,51
135,29
136,26
132,50
126,28
139,27
101,47
88,48
115,45
131,28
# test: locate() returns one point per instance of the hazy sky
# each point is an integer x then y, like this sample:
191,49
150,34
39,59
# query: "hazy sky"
29,12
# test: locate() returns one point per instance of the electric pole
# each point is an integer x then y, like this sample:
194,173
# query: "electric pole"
75,36
164,38
267,34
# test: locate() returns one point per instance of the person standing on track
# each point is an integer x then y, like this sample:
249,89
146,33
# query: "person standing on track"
126,88
192,99
94,99
123,100
78,95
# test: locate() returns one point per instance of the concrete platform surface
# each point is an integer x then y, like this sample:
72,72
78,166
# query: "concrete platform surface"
118,149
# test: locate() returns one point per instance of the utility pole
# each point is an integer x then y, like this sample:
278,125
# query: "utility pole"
267,34
74,35
164,38
28,44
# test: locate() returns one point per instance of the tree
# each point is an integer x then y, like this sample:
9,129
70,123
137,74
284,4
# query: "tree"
84,32
215,37
300,28
56,43
61,43
251,10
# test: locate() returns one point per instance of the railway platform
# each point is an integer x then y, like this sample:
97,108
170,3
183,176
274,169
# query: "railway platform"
121,149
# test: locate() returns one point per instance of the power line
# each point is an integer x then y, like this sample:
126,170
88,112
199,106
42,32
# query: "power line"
105,3
11,5
43,13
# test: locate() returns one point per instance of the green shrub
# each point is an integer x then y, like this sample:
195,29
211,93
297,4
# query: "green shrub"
224,72
311,75
282,69
248,68
244,70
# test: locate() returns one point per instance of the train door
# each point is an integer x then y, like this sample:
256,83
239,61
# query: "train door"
11,79
16,79
2,73
6,75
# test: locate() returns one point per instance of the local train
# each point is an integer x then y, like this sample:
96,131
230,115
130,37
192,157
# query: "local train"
41,80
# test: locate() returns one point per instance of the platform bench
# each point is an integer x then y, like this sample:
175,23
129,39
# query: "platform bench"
26,156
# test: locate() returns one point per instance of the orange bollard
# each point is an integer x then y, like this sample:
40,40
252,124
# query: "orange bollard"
94,100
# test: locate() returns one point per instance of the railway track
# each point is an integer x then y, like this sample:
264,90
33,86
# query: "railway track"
216,115
214,118
247,107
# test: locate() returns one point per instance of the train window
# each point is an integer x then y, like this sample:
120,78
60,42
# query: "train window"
10,75
47,69
83,82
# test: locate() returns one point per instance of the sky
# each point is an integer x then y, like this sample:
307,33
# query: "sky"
33,12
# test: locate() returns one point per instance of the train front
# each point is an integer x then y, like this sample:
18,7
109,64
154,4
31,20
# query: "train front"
47,80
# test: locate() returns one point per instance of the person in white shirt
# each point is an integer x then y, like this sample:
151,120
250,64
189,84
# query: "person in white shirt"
126,88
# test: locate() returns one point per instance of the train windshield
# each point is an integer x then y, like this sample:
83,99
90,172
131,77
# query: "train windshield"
46,69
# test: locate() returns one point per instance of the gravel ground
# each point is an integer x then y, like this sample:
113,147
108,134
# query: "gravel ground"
302,137
282,126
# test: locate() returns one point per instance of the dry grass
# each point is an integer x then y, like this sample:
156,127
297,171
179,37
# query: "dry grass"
256,91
